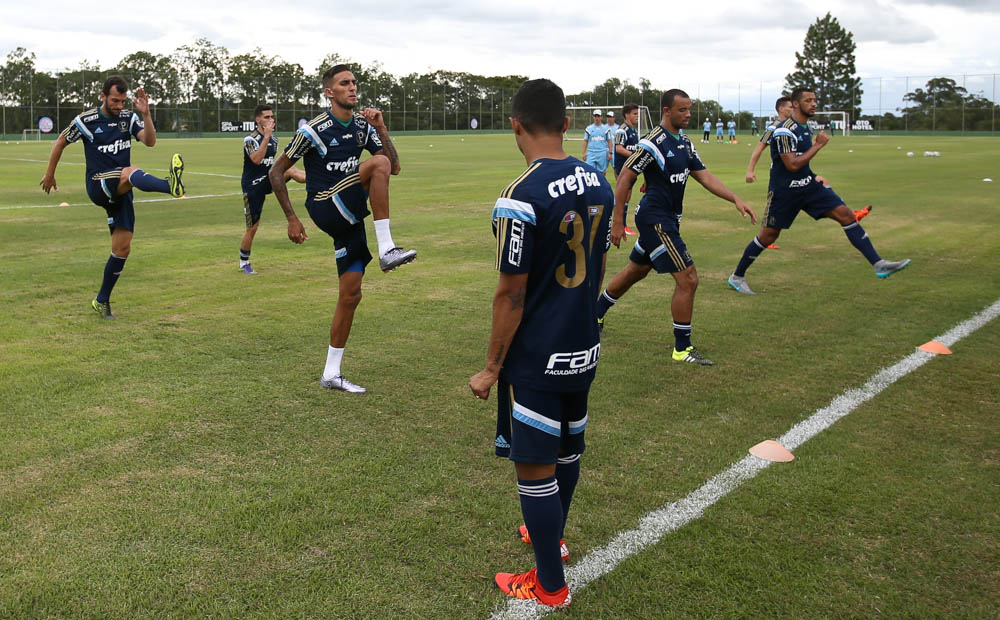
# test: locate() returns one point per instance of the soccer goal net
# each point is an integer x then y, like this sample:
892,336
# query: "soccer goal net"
31,134
832,121
581,116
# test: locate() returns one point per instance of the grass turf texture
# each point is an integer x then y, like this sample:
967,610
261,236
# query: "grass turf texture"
184,462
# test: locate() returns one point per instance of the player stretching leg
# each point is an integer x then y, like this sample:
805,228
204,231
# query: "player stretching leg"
551,227
107,134
259,149
337,185
793,188
666,158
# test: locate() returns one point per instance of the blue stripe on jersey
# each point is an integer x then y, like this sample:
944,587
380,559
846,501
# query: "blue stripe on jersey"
313,137
344,210
578,426
131,121
250,139
515,210
782,131
536,420
650,148
83,129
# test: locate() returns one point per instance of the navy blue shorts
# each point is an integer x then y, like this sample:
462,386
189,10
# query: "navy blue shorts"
253,203
661,246
537,427
341,216
102,189
783,206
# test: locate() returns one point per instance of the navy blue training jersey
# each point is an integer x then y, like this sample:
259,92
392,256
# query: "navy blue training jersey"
255,175
332,149
627,137
107,142
666,160
552,223
789,137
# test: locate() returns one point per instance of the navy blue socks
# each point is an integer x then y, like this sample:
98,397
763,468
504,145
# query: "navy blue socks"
148,183
682,336
750,254
112,269
859,239
541,507
567,475
604,303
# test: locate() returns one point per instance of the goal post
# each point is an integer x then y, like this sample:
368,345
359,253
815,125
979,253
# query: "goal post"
832,121
581,116
36,134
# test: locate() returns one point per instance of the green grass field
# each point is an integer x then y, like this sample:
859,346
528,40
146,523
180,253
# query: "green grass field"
183,462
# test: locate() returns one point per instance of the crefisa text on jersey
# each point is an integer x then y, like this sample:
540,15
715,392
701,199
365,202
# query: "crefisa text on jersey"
575,362
114,147
577,182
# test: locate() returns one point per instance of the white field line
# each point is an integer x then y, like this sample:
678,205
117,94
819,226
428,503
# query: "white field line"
673,516
146,200
76,163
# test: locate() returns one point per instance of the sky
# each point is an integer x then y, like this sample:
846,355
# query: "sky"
727,43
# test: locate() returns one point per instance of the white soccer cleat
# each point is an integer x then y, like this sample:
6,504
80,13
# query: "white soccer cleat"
885,268
740,284
342,384
396,257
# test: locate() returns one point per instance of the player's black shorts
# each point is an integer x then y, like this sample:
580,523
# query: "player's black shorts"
661,246
102,189
253,201
341,216
783,206
536,427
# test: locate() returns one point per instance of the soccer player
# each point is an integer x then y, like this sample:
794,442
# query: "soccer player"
718,130
732,129
337,186
793,188
107,133
596,146
708,129
783,106
666,158
551,226
259,149
626,141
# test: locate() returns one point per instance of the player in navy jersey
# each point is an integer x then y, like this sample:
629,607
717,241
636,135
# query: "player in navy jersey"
793,188
551,226
338,187
783,106
666,158
259,150
626,142
107,133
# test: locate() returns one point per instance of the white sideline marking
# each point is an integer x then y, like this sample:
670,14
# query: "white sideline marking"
76,163
673,516
90,204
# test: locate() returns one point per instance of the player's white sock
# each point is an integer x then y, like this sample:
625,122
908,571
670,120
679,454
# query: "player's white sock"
384,236
333,357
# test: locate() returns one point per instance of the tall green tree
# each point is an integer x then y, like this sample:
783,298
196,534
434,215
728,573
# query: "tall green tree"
826,65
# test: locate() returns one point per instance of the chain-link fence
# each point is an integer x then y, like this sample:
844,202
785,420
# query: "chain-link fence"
965,104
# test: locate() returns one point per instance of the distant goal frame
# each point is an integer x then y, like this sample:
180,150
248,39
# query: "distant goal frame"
845,120
31,132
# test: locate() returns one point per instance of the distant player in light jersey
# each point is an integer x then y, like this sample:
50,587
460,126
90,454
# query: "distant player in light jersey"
596,147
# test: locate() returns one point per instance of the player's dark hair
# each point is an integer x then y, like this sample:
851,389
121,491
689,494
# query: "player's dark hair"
117,81
628,107
667,98
261,109
540,106
332,71
780,102
798,92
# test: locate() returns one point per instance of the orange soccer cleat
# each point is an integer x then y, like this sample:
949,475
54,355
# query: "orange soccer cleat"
860,213
526,586
526,538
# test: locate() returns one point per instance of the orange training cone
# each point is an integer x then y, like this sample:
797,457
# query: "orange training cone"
935,347
772,451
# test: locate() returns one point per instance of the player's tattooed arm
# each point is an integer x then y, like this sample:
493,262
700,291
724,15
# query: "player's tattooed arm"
508,308
296,231
375,119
